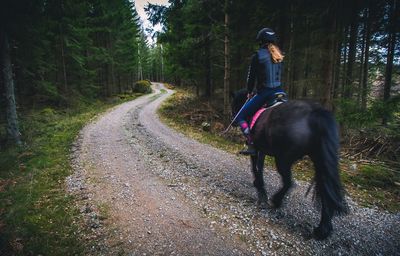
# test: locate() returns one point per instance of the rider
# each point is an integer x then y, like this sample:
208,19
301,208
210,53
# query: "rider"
266,68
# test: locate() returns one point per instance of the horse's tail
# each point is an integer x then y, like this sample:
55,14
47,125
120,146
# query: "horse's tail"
325,157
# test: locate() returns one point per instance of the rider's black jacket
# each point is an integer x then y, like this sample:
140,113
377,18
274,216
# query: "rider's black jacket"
263,70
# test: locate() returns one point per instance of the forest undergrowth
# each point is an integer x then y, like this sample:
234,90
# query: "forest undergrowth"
373,179
37,217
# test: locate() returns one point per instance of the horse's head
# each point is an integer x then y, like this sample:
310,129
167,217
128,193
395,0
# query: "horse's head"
238,99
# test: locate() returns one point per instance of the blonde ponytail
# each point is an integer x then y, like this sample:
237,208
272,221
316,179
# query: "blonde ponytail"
276,53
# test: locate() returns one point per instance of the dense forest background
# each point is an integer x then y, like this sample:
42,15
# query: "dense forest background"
59,53
64,61
344,54
334,49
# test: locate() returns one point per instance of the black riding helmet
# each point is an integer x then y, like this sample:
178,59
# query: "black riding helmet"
266,35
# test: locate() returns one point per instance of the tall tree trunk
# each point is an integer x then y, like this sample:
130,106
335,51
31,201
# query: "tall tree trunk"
362,56
106,80
140,71
337,56
345,60
131,79
227,66
112,65
284,25
62,39
352,53
337,65
364,82
329,59
120,90
11,112
289,70
162,64
64,68
306,67
390,53
207,66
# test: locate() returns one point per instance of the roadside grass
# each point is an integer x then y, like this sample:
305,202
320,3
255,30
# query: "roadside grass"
37,217
374,185
371,185
175,112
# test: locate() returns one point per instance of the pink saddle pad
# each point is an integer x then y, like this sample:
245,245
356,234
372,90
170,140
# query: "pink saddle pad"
255,117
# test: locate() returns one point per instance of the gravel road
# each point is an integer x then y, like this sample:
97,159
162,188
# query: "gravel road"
145,189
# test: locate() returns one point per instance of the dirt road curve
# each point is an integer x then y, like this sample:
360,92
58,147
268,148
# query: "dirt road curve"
148,190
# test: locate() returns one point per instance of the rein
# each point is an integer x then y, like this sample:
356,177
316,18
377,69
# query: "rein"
234,119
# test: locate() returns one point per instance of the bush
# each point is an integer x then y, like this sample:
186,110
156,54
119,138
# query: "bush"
169,86
142,86
350,114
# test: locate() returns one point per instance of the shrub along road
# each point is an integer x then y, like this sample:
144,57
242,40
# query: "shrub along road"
144,188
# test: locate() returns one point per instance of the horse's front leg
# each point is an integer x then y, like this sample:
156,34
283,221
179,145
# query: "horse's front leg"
284,169
257,162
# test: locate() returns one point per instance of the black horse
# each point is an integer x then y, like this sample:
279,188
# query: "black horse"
288,132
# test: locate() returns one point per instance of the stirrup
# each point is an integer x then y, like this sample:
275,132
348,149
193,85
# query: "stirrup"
249,151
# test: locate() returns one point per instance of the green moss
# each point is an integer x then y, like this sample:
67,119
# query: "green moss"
36,215
374,185
142,86
377,176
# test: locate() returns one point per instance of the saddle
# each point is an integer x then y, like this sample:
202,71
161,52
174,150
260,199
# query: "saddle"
277,99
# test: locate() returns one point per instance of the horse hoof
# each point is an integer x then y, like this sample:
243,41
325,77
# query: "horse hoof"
262,204
272,205
275,203
321,234
262,201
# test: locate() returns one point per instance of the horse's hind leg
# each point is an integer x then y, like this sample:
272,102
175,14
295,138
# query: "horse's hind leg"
284,169
325,226
324,189
257,164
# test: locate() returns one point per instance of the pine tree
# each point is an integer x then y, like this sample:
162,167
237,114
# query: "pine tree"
8,81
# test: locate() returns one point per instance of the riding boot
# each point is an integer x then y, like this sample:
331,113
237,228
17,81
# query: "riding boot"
250,150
